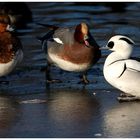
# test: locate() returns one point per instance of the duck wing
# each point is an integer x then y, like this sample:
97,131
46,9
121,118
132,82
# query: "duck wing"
133,64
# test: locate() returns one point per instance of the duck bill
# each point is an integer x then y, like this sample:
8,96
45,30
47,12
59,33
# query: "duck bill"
87,44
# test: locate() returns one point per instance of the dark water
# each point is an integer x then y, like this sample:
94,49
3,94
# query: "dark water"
28,108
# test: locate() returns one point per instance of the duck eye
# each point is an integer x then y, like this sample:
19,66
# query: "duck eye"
110,44
85,37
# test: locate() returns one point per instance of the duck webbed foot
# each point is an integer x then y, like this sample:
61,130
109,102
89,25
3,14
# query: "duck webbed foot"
124,97
83,79
50,81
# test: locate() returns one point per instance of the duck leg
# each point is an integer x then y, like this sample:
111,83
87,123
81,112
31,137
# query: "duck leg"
48,77
84,79
124,97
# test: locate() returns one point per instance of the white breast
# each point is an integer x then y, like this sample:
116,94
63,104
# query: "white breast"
66,65
113,66
126,80
6,68
114,70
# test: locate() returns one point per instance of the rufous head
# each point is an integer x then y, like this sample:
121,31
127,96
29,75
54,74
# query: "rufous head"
4,22
81,33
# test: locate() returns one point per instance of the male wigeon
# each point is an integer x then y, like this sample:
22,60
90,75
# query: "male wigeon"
10,47
71,49
121,70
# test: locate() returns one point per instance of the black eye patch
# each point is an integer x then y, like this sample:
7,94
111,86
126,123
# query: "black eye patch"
127,40
110,44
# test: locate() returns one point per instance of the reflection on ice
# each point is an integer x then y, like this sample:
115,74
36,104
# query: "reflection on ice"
122,120
73,112
8,112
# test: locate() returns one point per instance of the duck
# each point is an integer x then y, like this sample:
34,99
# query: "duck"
11,52
71,49
121,70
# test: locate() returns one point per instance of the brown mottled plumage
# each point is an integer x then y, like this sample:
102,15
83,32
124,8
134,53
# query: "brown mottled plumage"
9,44
10,47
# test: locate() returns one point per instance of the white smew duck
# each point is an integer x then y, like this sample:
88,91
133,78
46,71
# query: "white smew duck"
122,71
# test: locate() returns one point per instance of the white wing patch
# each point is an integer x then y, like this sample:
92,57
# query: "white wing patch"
58,40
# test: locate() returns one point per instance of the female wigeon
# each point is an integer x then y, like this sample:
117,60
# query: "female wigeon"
10,47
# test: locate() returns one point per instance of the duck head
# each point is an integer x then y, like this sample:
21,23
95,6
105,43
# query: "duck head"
81,34
121,45
5,23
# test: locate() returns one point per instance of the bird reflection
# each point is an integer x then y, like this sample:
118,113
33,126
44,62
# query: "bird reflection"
8,111
72,112
122,120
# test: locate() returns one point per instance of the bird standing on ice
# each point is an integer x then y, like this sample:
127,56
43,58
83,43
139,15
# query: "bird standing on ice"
10,47
71,49
122,71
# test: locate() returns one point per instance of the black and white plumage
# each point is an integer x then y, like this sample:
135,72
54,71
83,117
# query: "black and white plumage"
120,70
